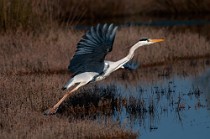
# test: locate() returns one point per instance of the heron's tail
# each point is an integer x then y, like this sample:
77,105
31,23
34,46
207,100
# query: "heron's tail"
69,84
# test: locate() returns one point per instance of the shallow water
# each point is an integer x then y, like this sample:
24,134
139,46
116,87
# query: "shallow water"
170,107
140,20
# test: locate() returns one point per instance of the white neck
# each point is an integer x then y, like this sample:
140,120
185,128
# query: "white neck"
130,55
116,65
133,49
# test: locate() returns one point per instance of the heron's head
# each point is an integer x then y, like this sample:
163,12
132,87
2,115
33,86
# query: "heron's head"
146,41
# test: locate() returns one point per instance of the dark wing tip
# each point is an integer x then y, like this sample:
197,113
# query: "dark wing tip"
131,65
92,48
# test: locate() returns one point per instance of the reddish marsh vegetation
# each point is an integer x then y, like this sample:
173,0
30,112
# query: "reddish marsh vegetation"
52,50
23,99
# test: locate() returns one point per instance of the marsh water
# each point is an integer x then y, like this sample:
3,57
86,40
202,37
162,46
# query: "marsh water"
137,20
180,108
168,101
171,105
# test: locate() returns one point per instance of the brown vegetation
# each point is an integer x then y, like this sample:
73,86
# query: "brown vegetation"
24,98
37,15
51,51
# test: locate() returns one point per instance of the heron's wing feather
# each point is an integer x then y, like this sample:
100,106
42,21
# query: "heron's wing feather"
131,65
92,49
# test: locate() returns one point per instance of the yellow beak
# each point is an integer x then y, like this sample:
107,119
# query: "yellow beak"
156,40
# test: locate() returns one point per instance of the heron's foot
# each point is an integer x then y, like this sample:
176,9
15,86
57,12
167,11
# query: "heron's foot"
50,111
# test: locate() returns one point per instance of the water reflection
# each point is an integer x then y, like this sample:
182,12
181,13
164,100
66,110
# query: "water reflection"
203,82
173,105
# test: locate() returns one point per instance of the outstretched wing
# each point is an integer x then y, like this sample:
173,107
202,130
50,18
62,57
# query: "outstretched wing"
92,49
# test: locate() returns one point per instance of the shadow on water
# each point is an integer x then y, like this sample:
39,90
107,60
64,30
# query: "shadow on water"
161,104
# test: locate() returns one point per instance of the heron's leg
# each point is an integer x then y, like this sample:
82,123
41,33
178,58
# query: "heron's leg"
53,110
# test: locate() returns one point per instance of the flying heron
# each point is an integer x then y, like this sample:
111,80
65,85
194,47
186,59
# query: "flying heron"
88,64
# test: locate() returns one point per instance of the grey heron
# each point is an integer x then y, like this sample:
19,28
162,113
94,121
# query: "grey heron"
88,64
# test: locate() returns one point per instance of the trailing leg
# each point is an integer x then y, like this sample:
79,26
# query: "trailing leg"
54,109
